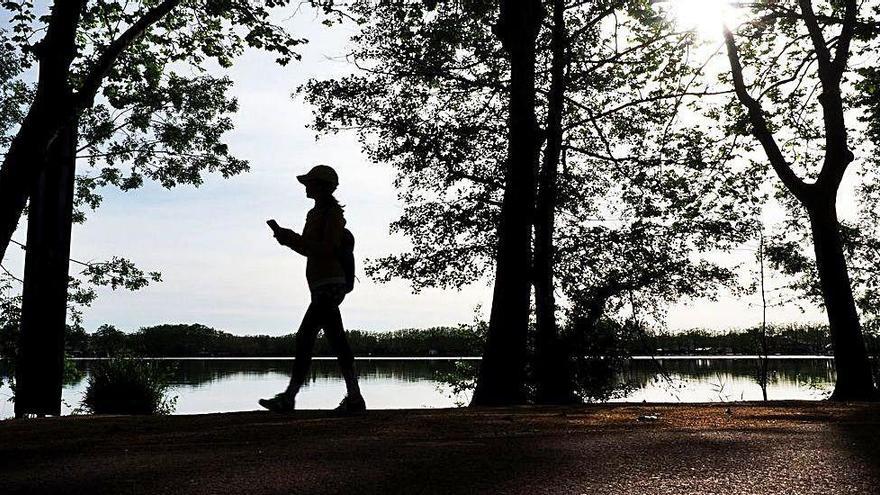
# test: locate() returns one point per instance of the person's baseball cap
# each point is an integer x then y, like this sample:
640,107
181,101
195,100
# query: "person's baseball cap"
320,173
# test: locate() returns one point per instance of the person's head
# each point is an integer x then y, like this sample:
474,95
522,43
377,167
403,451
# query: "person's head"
320,182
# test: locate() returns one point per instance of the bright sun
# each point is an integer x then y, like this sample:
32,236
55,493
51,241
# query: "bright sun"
706,17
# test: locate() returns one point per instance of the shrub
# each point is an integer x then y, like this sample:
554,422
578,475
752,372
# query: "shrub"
459,380
125,385
598,358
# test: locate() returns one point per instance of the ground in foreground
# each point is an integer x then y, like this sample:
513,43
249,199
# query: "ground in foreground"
798,447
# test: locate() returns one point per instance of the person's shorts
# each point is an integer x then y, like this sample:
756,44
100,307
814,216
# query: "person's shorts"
329,294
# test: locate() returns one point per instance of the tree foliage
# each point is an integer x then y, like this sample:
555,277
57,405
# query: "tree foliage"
159,111
783,74
646,193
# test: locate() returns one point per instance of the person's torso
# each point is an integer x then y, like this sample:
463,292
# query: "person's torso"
324,227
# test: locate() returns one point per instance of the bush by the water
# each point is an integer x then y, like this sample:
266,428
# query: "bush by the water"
125,385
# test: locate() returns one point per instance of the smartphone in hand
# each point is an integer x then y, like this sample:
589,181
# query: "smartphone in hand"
273,225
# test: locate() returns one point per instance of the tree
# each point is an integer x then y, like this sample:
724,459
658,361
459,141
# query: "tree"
124,85
641,195
503,369
127,56
809,70
108,341
427,99
550,360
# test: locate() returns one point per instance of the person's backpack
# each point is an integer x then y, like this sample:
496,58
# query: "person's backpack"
346,259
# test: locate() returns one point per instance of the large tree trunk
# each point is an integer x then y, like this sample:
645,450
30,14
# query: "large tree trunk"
502,371
49,112
22,165
854,378
550,359
40,360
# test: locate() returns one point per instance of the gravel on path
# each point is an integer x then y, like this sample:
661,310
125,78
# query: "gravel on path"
733,448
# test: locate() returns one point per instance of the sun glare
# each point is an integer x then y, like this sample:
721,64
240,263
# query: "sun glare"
705,17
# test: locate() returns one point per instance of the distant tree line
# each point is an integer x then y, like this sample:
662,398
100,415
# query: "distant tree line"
195,340
782,339
612,341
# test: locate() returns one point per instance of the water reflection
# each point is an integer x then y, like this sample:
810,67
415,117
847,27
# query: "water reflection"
723,380
217,385
198,372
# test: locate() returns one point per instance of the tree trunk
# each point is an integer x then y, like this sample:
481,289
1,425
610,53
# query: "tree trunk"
550,361
854,378
28,151
26,158
40,361
502,371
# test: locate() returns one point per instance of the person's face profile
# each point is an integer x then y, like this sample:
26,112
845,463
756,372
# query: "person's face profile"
312,189
317,189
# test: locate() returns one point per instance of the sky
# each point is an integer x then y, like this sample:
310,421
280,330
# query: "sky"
222,268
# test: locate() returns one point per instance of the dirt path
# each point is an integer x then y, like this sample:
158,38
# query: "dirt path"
800,448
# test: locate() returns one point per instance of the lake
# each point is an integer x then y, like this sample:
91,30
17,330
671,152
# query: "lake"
223,385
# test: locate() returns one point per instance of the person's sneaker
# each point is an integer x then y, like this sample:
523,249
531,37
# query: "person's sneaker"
281,403
352,405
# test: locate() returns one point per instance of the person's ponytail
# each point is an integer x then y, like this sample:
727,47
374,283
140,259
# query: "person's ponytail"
335,202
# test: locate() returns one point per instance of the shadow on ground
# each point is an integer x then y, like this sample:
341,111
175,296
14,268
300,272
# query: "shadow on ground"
786,448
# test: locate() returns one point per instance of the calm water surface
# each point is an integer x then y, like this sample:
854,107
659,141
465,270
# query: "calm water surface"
222,385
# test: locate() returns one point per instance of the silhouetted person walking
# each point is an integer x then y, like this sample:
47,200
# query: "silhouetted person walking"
328,247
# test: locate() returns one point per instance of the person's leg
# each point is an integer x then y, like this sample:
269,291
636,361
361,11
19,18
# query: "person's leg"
335,333
305,344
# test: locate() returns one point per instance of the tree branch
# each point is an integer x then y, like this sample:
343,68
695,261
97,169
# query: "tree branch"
633,103
837,154
823,54
78,262
861,28
85,97
759,124
8,273
846,33
457,174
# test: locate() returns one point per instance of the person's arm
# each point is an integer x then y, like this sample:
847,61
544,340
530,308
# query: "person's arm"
285,237
322,239
296,242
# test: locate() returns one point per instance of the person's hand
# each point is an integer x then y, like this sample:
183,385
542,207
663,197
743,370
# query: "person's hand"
284,236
